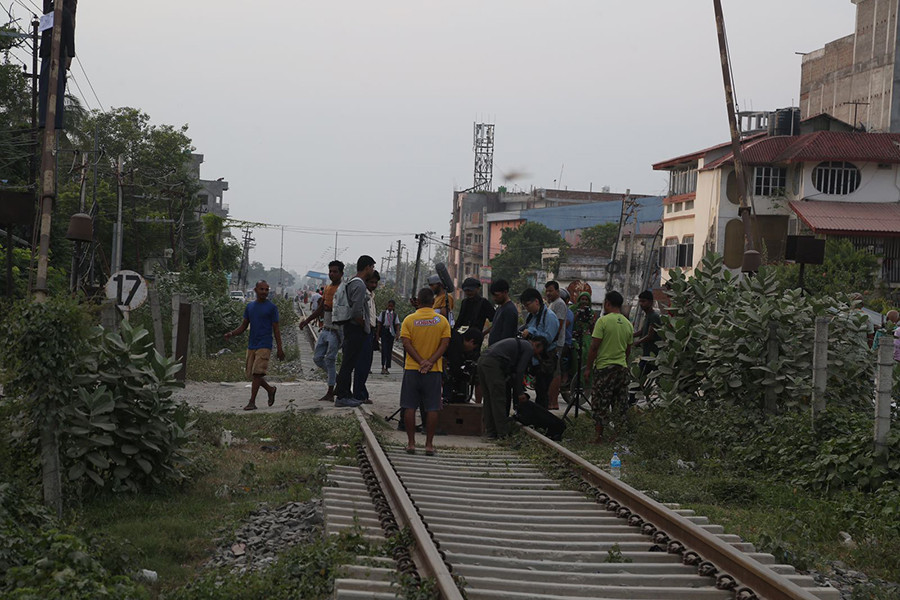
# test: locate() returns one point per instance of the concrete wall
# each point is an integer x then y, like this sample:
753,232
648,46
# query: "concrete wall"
859,68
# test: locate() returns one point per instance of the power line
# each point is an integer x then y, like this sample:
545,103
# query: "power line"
80,93
91,85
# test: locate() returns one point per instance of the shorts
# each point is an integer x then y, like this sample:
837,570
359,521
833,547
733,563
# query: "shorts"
258,361
421,389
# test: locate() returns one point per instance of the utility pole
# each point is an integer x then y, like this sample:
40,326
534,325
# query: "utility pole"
75,276
747,211
281,264
48,197
626,287
335,245
244,271
421,238
397,272
118,233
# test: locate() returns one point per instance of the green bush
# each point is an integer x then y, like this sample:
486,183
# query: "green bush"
38,561
122,429
716,336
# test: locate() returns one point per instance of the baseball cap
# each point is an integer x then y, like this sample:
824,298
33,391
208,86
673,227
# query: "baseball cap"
471,284
433,279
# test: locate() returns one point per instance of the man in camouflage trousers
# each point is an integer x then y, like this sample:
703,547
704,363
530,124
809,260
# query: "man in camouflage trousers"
608,357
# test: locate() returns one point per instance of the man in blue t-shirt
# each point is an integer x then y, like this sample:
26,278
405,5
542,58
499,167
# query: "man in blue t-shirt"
262,318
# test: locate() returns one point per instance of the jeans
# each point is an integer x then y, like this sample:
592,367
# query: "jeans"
363,366
387,346
354,340
325,355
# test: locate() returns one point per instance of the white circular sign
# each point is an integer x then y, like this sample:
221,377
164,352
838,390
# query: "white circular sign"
127,289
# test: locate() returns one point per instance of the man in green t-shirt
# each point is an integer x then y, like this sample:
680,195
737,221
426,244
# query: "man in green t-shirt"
608,357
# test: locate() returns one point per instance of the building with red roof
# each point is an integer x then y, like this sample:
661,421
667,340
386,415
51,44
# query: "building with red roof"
819,177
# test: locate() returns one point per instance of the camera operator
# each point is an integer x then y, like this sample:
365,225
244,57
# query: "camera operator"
461,355
541,322
501,370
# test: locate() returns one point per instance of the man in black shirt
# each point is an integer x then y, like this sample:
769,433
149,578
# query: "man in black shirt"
505,323
474,310
501,370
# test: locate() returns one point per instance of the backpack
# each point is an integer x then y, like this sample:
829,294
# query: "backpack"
341,310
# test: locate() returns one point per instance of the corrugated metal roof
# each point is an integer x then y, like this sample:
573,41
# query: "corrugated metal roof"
820,146
878,219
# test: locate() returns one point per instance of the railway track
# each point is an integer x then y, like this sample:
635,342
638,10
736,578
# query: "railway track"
492,523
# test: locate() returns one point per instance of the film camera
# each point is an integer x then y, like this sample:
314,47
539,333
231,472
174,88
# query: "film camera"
460,384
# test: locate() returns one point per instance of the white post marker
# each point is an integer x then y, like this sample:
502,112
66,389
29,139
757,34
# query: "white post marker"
127,289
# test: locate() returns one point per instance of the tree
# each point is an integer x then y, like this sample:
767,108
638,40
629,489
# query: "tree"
522,253
599,237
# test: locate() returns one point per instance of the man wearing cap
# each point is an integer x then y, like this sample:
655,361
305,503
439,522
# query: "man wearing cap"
474,310
443,302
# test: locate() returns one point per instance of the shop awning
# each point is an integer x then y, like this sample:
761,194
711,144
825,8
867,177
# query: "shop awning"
873,219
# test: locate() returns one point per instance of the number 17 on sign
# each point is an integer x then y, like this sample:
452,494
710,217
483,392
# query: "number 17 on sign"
127,289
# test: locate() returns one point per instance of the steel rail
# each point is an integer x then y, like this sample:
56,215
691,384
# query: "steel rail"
425,554
749,573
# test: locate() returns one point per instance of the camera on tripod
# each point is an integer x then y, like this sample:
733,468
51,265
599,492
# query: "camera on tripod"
461,382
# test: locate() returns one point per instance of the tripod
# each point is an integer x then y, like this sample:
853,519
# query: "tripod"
576,396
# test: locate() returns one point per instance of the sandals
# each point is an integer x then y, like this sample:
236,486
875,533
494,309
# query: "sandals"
410,450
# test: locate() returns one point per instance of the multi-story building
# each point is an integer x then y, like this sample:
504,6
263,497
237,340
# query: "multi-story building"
855,78
828,182
211,192
479,219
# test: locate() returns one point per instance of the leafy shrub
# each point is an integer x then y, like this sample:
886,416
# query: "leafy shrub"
39,561
716,336
122,429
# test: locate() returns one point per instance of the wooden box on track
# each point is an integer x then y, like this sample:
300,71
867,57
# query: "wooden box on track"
460,419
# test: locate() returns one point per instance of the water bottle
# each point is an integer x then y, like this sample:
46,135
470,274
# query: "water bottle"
615,466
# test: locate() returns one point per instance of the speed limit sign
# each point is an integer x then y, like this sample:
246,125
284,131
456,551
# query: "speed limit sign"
127,289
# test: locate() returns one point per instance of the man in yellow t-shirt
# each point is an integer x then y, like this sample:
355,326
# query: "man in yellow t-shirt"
425,336
608,357
443,302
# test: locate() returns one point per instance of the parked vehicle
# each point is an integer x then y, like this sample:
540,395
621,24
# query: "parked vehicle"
236,295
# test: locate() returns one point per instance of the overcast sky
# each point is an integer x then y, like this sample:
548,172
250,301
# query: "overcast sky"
357,115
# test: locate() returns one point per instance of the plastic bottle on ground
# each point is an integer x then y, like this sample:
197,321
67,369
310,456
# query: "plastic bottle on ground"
615,466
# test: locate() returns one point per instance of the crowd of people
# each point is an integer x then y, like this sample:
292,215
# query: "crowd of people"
480,352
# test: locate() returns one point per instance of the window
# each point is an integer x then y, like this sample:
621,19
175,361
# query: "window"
689,205
468,238
683,181
836,178
668,254
478,238
685,256
669,208
679,206
769,181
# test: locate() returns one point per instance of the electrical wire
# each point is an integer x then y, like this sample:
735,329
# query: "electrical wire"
80,93
91,85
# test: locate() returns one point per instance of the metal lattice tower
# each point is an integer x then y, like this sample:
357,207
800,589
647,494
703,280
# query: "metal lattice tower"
484,157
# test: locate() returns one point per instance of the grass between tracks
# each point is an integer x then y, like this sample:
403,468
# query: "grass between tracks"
274,459
799,527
